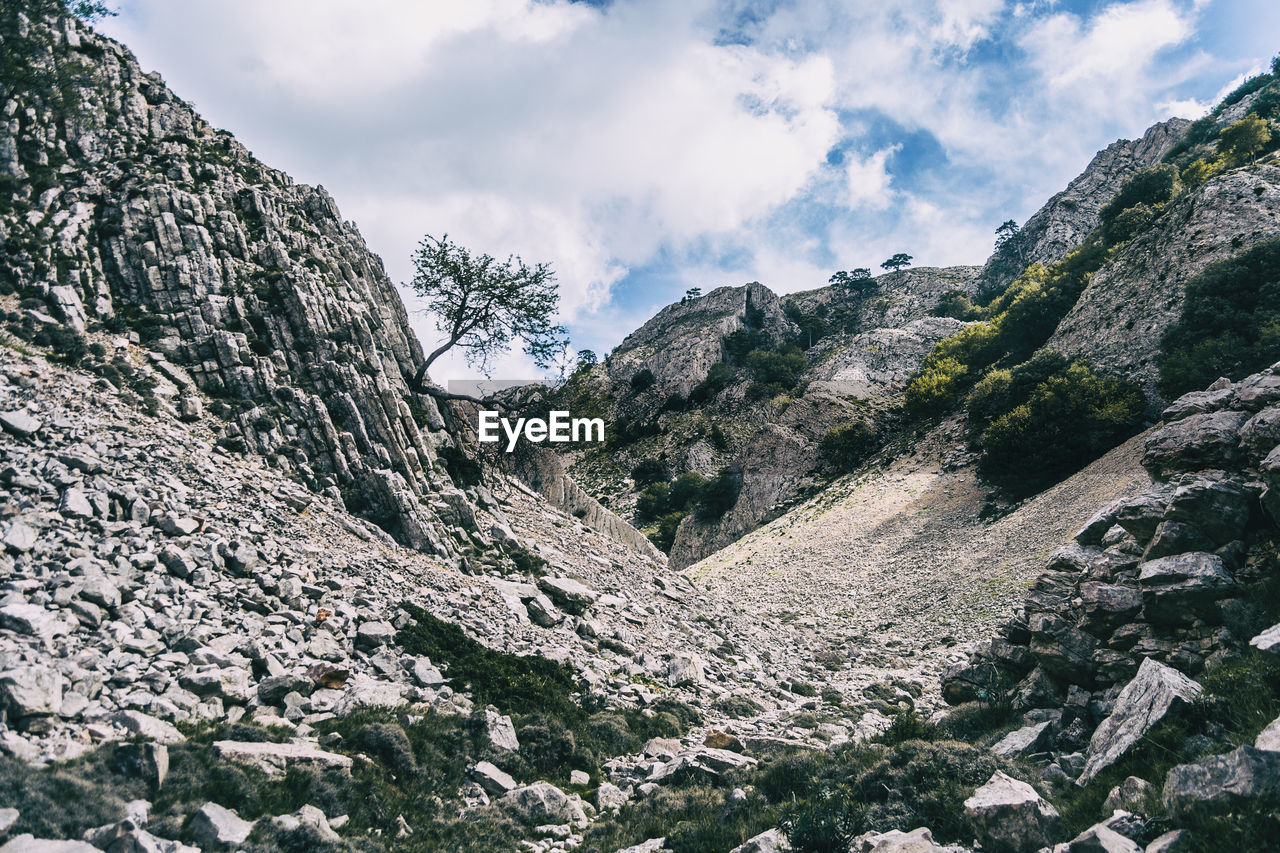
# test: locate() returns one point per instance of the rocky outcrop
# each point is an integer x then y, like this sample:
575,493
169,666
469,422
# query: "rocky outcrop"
1138,294
1066,219
877,362
900,298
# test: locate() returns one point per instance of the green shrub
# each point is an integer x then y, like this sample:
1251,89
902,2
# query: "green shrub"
653,502
957,304
665,536
527,562
510,682
389,744
685,489
719,495
717,379
1230,323
780,367
1145,190
1068,421
650,471
846,447
737,706
642,380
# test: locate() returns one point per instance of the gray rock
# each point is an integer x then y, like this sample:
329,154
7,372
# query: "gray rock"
1268,640
1168,843
1179,588
1130,795
307,816
31,691
542,612
543,803
685,669
19,537
273,689
30,844
8,817
426,674
31,619
1101,838
146,761
1007,815
20,423
274,758
1025,741
179,563
769,841
896,841
1217,505
1198,403
502,733
569,594
1258,391
1269,738
372,634
579,778
1223,781
1155,692
492,779
609,796
75,504
157,730
216,827
1200,441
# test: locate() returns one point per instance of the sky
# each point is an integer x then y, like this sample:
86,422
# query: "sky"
643,147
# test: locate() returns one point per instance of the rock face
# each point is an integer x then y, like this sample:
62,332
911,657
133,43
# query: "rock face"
1145,701
877,362
1223,780
1066,219
1129,303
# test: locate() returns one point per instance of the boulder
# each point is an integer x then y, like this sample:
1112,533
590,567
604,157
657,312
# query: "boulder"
1174,537
1223,781
1197,403
1130,795
307,816
685,669
1268,640
1155,692
1026,740
146,761
896,841
492,778
273,758
769,841
75,504
157,730
30,844
20,423
1170,842
570,595
8,817
501,731
1216,504
31,691
1062,649
18,537
543,803
1007,815
373,634
1269,738
1182,587
32,620
610,796
542,612
1101,838
1140,515
216,827
1258,391
1211,440
1261,434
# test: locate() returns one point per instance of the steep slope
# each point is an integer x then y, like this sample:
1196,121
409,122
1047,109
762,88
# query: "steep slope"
1068,217
122,209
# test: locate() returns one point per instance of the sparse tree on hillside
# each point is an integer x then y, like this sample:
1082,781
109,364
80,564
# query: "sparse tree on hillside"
1006,232
483,305
1245,139
692,293
856,281
587,358
897,262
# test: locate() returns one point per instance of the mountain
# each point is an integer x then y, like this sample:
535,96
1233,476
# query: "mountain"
960,558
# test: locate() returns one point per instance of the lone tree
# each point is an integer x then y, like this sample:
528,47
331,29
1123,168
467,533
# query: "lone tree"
691,294
897,262
1006,232
482,305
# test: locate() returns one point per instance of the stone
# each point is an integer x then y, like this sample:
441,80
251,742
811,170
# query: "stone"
1025,741
1197,403
20,423
570,595
1007,815
1101,838
492,779
502,732
661,747
8,817
918,840
542,803
179,563
31,691
1173,537
1223,781
1155,692
1194,443
1261,434
1258,391
18,537
372,634
273,689
1269,738
1140,515
27,843
75,504
157,730
275,758
769,841
1219,506
426,674
609,797
308,816
1268,640
542,612
1179,588
579,777
685,669
1130,795
1168,843
216,827
31,619
146,761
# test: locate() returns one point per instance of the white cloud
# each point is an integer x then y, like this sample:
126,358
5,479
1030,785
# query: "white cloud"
867,180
